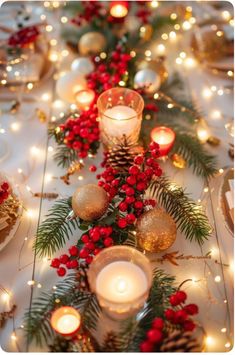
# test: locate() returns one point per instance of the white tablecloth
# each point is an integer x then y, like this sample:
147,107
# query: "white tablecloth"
39,172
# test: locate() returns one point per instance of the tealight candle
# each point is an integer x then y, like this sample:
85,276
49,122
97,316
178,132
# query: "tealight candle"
121,277
165,137
84,98
66,321
118,9
120,112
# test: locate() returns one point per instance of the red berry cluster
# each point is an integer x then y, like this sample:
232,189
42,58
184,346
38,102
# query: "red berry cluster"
4,192
129,188
24,36
154,336
81,133
91,9
108,74
178,316
180,313
93,242
143,14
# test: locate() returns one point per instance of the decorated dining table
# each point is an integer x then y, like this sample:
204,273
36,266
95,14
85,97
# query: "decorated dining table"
116,176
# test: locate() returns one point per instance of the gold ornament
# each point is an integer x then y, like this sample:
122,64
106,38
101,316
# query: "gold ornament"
157,66
90,202
178,161
213,141
41,115
72,169
156,230
146,32
91,43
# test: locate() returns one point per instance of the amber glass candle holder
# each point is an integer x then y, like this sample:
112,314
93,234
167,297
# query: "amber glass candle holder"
120,113
121,278
66,321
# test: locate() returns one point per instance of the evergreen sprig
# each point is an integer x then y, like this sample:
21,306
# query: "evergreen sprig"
188,216
203,163
55,229
37,319
65,156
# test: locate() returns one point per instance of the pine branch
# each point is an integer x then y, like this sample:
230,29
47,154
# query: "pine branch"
54,231
37,319
193,152
65,156
187,214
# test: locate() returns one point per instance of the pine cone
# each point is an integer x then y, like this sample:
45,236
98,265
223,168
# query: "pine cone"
60,344
83,284
111,343
179,341
121,156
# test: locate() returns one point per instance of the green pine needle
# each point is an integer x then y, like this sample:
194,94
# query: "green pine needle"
65,156
55,229
188,216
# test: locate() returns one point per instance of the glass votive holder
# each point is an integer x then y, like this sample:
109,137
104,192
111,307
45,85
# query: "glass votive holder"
66,321
121,278
120,113
165,137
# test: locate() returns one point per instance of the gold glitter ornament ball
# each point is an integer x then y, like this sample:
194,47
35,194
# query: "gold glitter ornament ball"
90,202
91,43
156,230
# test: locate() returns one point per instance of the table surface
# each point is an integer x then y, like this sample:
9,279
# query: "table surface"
34,169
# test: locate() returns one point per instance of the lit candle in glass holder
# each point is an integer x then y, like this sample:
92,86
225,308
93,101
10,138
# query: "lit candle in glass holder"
118,9
66,321
120,277
165,137
84,98
120,112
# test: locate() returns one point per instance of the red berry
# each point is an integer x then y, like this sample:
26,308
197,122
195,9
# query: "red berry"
92,168
138,204
74,251
146,347
84,253
95,236
130,191
108,242
139,159
61,271
150,161
122,206
5,186
55,263
181,295
189,325
89,259
73,264
131,180
174,301
134,170
85,238
90,246
130,218
158,323
129,199
191,309
97,251
141,186
64,258
180,316
154,335
122,223
115,182
169,314
153,145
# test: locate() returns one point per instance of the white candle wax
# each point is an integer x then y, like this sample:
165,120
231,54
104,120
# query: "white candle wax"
121,281
120,120
67,324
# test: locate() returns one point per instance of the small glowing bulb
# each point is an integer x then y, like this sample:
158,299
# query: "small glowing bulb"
219,33
64,19
156,96
172,35
49,28
132,54
80,178
3,81
177,26
9,68
122,83
28,188
13,337
215,115
15,126
209,340
190,62
206,189
54,287
65,53
189,8
231,22
179,60
173,16
230,73
161,48
154,4
2,130
46,96
50,148
206,93
31,282
53,42
170,106
164,36
5,297
213,88
182,55
30,86
53,57
221,171
148,53
43,17
103,55
226,15
227,345
30,213
217,278
34,151
20,171
192,20
220,92
39,286
186,25
223,330
58,104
